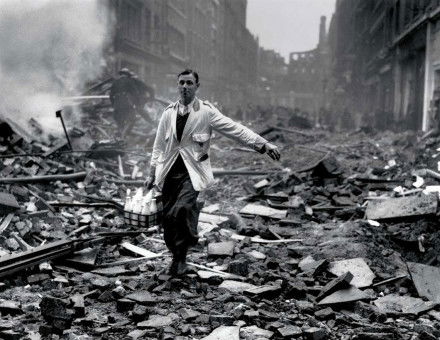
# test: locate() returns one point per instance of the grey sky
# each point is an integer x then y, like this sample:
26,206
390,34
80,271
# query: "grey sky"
288,25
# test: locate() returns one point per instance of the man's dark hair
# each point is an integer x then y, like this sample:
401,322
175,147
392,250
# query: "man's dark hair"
189,71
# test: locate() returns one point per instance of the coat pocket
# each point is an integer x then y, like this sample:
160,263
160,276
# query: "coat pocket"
202,140
200,137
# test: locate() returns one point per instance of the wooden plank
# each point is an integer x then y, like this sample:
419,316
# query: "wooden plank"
50,178
138,250
261,210
257,239
213,219
402,207
121,167
128,261
223,274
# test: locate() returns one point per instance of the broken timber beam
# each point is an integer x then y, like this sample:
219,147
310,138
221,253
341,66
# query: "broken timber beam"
49,178
229,275
216,173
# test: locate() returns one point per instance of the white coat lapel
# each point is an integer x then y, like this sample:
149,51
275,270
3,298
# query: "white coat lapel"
173,119
190,123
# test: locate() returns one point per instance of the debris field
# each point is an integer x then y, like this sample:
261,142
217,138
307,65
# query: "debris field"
338,240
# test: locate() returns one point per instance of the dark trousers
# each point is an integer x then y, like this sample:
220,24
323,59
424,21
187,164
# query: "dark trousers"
180,212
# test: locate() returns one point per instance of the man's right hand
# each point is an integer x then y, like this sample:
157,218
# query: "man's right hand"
149,182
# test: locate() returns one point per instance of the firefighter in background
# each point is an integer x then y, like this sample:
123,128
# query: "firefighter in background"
128,95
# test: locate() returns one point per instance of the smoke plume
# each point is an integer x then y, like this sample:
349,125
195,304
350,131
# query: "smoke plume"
49,49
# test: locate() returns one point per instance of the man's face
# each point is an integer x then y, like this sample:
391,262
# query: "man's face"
187,87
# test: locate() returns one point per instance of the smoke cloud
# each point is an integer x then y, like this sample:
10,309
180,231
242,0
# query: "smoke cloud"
49,49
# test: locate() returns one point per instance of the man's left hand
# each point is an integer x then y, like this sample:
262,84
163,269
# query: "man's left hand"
272,151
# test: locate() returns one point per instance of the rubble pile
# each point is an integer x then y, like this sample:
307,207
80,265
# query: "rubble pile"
338,241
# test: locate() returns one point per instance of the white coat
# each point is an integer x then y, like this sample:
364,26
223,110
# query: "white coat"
195,142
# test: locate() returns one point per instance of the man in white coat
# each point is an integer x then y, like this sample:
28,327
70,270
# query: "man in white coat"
180,164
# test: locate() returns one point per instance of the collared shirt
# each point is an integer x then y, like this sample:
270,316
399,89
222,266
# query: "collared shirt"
184,109
194,146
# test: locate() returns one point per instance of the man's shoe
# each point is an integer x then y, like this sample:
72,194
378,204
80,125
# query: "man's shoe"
172,270
181,268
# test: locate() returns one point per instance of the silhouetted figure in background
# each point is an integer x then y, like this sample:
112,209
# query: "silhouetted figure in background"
128,96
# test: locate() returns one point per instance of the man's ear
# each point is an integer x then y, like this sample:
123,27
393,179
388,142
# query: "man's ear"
198,84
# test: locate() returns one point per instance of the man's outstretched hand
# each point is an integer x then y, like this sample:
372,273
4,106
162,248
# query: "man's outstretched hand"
272,151
149,182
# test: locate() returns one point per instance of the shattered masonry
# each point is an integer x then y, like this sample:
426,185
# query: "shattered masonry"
338,241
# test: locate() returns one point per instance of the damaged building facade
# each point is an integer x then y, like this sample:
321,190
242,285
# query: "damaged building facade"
307,73
158,39
385,63
272,72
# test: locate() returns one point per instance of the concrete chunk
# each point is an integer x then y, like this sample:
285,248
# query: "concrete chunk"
290,332
112,271
266,291
142,297
350,294
341,282
223,333
236,286
10,307
402,207
315,333
362,274
8,203
156,321
221,248
426,279
311,267
254,332
395,304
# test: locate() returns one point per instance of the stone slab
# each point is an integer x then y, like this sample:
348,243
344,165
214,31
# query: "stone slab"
392,304
8,203
341,282
266,291
261,210
221,248
236,286
362,274
156,321
402,207
142,297
224,333
426,280
254,332
350,294
112,271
